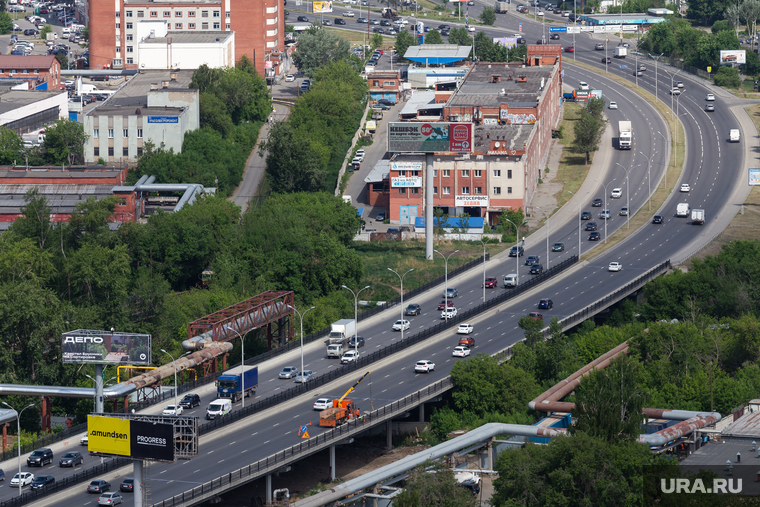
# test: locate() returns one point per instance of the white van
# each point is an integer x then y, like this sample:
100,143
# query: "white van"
218,408
734,136
335,350
510,281
682,210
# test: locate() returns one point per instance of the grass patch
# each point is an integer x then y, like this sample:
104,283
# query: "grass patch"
572,169
359,38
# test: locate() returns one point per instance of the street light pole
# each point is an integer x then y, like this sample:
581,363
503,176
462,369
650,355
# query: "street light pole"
446,286
665,178
517,257
401,277
546,214
605,207
484,269
627,195
656,60
649,176
356,317
580,227
300,316
18,428
242,362
175,377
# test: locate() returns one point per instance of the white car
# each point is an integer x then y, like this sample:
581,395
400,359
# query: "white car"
172,410
424,366
679,84
84,440
539,13
290,78
470,28
685,187
360,154
710,96
464,329
348,14
675,91
461,352
449,313
26,479
349,356
617,193
615,266
583,85
322,404
401,324
613,105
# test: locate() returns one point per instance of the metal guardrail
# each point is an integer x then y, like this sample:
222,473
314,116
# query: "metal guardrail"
309,446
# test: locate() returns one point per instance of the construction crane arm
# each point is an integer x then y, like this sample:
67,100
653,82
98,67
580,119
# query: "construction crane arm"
352,387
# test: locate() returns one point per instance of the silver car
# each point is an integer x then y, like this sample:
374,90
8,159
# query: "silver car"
288,372
306,376
110,499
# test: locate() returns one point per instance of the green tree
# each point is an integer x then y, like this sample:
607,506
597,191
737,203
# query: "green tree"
460,37
483,385
608,402
588,133
488,16
439,221
404,40
752,67
34,222
89,222
728,77
293,164
721,25
432,484
376,40
100,278
6,23
595,106
317,48
533,329
64,142
44,31
21,259
204,78
86,33
433,37
11,145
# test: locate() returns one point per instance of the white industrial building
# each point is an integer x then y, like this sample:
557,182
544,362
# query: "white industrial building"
25,111
185,50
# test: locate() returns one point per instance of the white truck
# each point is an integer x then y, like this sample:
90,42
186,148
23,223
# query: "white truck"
510,281
501,7
621,52
625,135
697,216
682,210
734,136
341,331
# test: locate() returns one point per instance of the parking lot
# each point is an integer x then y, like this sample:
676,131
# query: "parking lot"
22,24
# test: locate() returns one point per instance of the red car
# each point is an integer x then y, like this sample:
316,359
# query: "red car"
490,282
569,49
442,304
467,341
536,315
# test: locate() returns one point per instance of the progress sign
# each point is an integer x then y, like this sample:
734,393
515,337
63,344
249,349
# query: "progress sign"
429,137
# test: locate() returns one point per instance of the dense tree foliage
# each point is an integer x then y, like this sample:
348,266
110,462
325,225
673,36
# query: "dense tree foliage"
317,48
488,16
487,51
588,129
433,485
404,40
11,145
64,142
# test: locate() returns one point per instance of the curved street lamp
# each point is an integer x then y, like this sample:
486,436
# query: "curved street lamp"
18,427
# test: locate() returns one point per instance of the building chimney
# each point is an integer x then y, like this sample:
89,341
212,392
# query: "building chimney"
154,86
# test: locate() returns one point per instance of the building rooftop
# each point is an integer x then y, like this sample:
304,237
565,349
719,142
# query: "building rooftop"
62,198
510,137
490,85
379,172
71,173
626,19
190,38
134,93
747,426
26,61
14,99
437,54
420,100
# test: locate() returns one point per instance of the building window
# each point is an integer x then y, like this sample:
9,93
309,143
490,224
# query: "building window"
139,151
204,14
36,72
478,173
110,151
140,14
96,151
435,190
478,191
375,83
110,133
204,26
217,14
446,190
191,26
435,173
497,190
129,37
509,190
167,14
129,27
445,173
401,191
227,26
178,14
125,132
129,14
95,133
178,26
415,190
118,25
118,50
217,26
125,151
497,173
130,49
465,173
191,14
118,14
465,190
227,14
116,61
130,60
509,173
389,83
139,133
153,14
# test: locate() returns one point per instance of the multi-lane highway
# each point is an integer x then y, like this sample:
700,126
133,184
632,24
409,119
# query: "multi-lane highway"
713,169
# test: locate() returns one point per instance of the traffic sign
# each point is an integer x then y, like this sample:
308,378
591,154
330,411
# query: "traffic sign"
554,29
624,66
520,30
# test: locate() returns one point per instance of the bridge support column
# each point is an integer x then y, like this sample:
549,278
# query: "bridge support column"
422,412
269,490
332,462
137,469
491,454
99,389
46,411
388,435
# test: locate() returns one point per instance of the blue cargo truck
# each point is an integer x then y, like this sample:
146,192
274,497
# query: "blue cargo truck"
232,382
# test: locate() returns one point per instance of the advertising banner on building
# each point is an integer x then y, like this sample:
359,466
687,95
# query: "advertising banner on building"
406,181
108,435
104,347
406,166
152,441
433,137
471,200
322,7
731,57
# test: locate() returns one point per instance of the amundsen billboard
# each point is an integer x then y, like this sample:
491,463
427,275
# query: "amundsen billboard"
106,347
432,137
135,439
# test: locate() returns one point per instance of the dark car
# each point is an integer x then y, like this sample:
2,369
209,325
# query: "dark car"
591,226
521,40
444,27
413,309
516,251
71,459
443,304
127,485
558,247
657,219
536,269
545,304
41,481
586,215
532,259
557,11
594,236
303,18
540,41
599,46
385,22
385,101
339,21
607,60
554,36
40,457
190,401
445,32
31,31
98,486
597,203
359,342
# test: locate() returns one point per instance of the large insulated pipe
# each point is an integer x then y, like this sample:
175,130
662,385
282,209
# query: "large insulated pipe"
683,428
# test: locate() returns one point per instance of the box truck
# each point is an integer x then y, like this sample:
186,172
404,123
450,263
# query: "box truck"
235,384
625,135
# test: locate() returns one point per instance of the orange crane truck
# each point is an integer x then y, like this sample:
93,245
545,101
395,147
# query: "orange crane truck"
342,410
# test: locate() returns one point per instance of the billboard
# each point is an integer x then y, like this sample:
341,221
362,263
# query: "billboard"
105,347
424,137
108,435
754,177
151,440
406,166
406,181
507,42
131,438
731,57
322,7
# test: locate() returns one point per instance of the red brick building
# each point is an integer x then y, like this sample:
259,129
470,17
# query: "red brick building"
384,85
259,27
42,72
